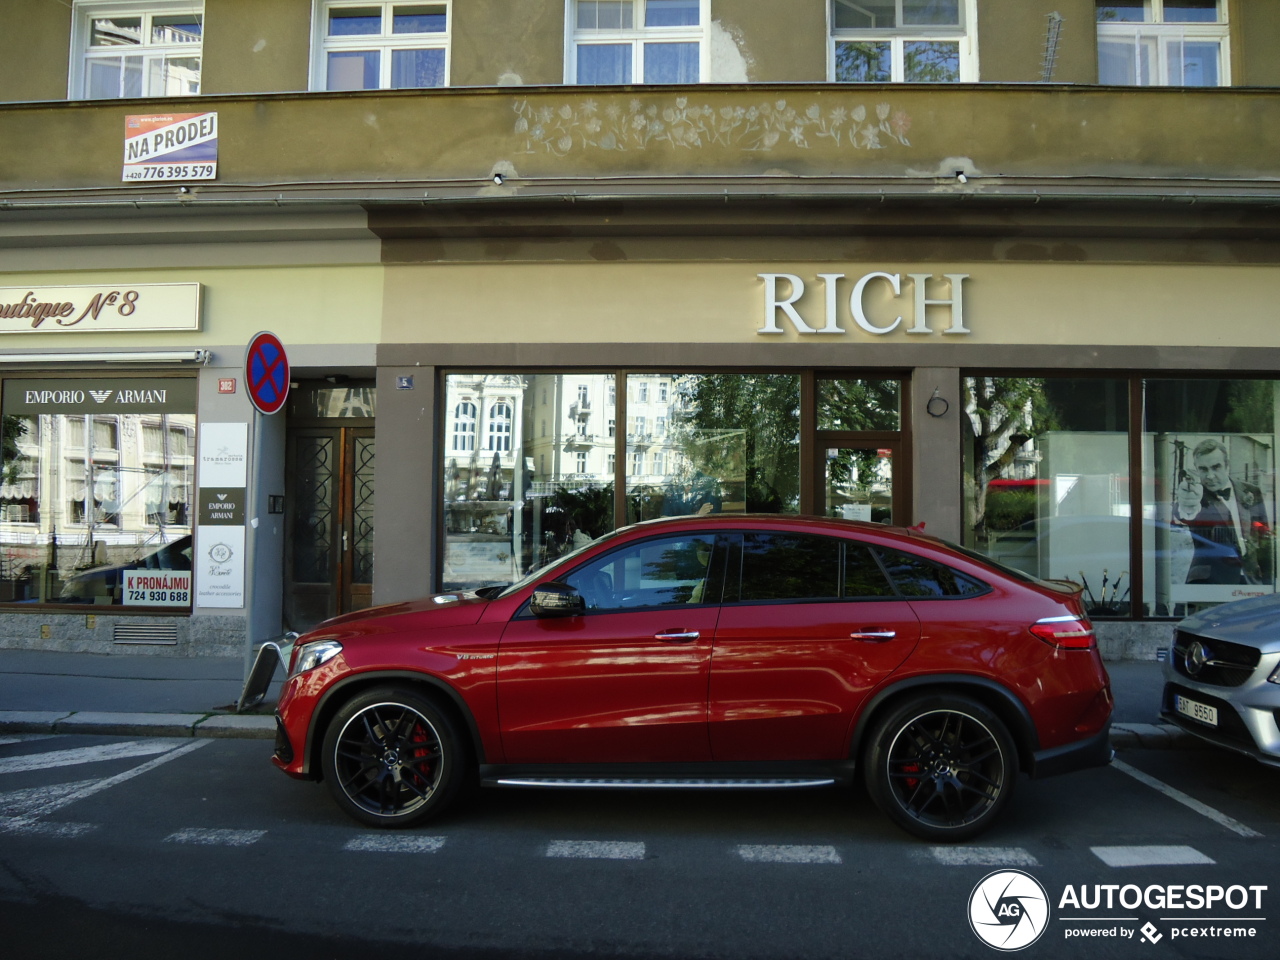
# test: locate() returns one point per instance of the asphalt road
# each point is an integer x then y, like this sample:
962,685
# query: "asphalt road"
111,847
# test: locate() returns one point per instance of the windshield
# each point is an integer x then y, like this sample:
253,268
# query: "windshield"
537,572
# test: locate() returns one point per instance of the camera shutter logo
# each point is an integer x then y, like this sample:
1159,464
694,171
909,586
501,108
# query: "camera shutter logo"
1008,910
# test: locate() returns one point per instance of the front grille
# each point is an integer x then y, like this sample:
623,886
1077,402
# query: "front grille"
1230,664
1230,726
284,749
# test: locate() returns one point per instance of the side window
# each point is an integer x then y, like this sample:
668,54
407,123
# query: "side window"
380,46
916,577
666,571
783,566
863,578
138,49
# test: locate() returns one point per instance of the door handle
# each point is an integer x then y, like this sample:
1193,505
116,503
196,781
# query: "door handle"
874,634
678,637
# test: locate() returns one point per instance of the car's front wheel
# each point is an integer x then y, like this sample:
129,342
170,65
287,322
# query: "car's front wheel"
392,758
941,766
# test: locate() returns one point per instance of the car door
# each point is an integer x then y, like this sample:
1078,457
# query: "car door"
627,680
810,630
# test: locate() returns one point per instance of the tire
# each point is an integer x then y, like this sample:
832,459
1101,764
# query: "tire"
941,766
392,758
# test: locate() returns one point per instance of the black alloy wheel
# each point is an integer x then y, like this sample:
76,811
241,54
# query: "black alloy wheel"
392,758
941,767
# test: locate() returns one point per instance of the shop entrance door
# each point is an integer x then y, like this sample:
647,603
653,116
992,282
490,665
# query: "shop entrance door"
328,524
857,481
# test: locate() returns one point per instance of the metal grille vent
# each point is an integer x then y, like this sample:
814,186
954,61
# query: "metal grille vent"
158,634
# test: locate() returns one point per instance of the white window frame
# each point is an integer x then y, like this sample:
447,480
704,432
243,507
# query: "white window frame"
1164,35
385,43
966,35
637,35
84,12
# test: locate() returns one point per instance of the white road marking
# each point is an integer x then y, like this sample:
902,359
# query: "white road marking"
596,849
40,828
21,803
1149,856
378,844
213,837
983,857
78,755
57,801
787,853
1191,802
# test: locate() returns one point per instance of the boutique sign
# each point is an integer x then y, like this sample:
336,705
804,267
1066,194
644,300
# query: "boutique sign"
871,303
115,308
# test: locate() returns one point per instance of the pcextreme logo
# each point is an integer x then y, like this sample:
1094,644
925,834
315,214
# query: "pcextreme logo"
1009,910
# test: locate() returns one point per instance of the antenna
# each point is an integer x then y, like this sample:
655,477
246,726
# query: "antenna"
1053,32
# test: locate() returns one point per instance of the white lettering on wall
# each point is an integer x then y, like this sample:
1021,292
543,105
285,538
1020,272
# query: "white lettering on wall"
783,291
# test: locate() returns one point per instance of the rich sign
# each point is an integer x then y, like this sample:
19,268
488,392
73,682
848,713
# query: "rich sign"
778,306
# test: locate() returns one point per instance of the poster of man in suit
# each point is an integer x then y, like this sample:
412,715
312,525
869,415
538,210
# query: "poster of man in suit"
1228,517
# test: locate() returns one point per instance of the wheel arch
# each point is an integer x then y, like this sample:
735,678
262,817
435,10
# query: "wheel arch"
994,696
439,691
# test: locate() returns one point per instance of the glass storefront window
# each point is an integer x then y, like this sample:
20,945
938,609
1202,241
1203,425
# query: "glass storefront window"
717,443
1209,491
96,491
530,463
1047,481
861,405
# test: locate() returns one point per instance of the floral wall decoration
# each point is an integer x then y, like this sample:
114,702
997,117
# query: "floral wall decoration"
644,124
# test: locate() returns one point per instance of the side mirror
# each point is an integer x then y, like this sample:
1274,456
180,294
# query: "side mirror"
555,599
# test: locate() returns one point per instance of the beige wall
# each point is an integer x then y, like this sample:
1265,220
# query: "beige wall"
34,47
1011,41
495,42
1051,304
303,305
769,41
252,46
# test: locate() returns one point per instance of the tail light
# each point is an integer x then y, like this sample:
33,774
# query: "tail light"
1071,633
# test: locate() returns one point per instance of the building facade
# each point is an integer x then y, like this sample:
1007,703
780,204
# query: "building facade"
1007,268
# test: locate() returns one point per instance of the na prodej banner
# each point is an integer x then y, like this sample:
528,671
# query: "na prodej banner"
171,146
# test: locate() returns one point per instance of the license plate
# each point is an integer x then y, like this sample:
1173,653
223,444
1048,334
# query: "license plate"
1196,711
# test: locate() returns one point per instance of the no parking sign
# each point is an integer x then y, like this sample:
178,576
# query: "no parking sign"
266,372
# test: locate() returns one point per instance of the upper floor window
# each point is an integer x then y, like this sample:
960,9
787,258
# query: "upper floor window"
1177,43
380,46
464,427
500,427
911,41
136,50
637,41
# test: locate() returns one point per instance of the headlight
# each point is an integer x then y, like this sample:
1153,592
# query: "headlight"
311,655
1275,676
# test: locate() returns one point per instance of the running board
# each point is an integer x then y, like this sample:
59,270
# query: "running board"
668,783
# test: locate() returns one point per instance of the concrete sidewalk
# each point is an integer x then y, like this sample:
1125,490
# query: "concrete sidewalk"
131,695
155,695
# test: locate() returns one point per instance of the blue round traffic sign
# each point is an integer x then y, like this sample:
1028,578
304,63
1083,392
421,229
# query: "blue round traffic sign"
266,372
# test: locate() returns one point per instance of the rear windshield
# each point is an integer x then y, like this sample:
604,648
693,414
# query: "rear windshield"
982,558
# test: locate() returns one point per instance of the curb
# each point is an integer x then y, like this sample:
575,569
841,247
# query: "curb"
228,726
1149,736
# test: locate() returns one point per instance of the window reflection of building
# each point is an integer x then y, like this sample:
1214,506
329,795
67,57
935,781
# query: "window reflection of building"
92,492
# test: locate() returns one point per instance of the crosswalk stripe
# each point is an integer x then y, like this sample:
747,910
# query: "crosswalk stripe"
377,844
787,853
42,828
596,849
1149,856
26,737
983,857
78,755
213,837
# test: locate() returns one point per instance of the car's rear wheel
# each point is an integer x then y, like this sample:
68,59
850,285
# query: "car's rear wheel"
941,767
392,758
